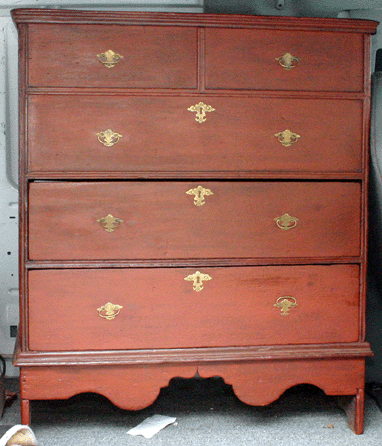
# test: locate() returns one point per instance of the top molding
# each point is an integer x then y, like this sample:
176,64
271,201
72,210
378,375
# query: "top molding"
73,16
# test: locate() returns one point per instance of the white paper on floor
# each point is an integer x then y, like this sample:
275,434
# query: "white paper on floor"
150,426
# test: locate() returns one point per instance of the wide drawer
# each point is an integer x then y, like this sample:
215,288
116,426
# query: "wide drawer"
175,220
158,308
161,134
282,60
151,56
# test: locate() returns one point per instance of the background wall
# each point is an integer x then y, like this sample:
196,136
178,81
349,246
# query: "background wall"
367,9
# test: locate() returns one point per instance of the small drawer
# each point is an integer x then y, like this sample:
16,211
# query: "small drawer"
112,56
163,134
158,308
282,60
175,220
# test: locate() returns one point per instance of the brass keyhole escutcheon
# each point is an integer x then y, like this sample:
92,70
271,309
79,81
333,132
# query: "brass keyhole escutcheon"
288,61
286,222
108,138
109,59
285,303
201,110
287,138
109,311
198,278
200,192
109,223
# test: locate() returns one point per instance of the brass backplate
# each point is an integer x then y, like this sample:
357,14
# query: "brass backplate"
109,58
199,193
109,223
108,138
201,110
197,279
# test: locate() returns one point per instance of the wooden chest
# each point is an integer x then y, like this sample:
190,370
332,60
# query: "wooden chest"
193,201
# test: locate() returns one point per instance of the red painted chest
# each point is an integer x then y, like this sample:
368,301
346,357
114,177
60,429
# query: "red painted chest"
193,200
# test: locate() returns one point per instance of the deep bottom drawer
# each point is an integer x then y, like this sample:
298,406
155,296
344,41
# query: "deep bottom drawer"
179,308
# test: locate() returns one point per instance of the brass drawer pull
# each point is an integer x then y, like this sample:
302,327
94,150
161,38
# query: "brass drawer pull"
201,110
285,303
288,61
287,138
109,58
199,193
109,311
286,222
109,223
197,279
108,138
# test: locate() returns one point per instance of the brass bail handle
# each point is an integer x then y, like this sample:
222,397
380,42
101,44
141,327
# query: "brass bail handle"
288,61
109,311
285,303
287,137
286,222
108,138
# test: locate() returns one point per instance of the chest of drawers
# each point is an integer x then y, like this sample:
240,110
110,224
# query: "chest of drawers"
193,201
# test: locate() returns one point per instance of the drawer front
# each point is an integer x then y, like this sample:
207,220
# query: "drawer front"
167,220
263,60
158,308
161,134
152,56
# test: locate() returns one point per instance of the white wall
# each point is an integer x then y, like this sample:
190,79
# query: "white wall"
371,14
8,187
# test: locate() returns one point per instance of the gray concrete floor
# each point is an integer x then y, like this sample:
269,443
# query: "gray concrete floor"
207,412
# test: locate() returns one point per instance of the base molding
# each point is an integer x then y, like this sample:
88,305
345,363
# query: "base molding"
192,355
